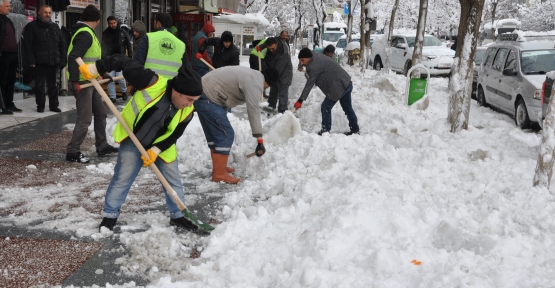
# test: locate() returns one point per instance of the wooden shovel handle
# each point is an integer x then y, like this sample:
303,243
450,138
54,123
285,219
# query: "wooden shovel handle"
207,64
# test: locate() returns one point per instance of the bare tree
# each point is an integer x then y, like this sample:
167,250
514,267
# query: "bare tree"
365,31
298,22
320,12
493,10
350,21
389,32
419,41
463,66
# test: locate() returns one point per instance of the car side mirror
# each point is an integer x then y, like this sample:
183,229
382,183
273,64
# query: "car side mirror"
401,45
509,72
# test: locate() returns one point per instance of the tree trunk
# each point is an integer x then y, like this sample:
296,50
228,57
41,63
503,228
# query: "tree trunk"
463,65
320,11
419,41
365,53
493,8
298,33
387,65
350,22
546,158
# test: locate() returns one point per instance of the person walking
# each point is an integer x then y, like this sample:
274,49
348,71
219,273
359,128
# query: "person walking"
161,51
158,114
8,59
84,44
139,31
202,35
116,41
334,82
225,52
45,50
226,88
278,57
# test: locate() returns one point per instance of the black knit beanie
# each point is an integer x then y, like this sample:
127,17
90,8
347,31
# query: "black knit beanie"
305,53
187,82
227,37
271,75
90,14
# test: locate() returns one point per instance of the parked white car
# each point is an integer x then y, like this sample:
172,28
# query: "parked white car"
435,56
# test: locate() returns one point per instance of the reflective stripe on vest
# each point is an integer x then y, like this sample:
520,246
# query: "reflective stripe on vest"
263,52
165,52
141,102
91,55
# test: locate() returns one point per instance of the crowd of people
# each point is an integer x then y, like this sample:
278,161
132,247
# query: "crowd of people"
163,87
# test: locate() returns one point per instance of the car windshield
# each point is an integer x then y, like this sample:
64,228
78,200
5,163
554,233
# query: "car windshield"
537,61
479,55
332,37
428,41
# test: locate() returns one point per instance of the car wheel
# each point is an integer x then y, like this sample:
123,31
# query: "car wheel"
521,115
408,65
480,97
378,64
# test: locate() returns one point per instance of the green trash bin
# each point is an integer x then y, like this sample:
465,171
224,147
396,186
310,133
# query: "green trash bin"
417,89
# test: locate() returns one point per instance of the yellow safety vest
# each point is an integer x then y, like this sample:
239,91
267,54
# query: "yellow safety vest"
165,52
94,53
263,52
141,102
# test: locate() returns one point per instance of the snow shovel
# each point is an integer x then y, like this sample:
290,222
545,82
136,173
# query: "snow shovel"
260,70
202,226
207,64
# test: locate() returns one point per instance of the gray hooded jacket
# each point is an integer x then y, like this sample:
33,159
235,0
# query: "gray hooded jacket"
327,75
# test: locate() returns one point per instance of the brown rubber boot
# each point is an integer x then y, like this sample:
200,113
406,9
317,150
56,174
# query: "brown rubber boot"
219,171
229,169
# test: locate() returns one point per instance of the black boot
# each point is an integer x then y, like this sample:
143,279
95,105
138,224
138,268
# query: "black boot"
77,157
108,223
108,150
124,96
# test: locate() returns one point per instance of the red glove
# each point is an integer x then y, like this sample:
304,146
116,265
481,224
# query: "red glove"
258,48
74,87
298,105
198,56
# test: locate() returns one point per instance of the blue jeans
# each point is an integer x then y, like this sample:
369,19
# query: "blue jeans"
201,71
345,102
128,165
217,129
112,85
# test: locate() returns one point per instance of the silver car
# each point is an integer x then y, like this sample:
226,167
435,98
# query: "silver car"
511,77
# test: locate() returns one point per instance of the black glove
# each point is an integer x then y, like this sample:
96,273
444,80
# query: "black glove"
108,76
260,150
74,87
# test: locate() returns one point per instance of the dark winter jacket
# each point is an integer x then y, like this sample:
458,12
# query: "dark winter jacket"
81,43
44,44
141,78
116,41
327,75
142,51
281,61
139,27
3,22
222,56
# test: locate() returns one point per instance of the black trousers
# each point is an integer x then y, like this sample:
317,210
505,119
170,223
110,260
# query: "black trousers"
8,66
46,82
